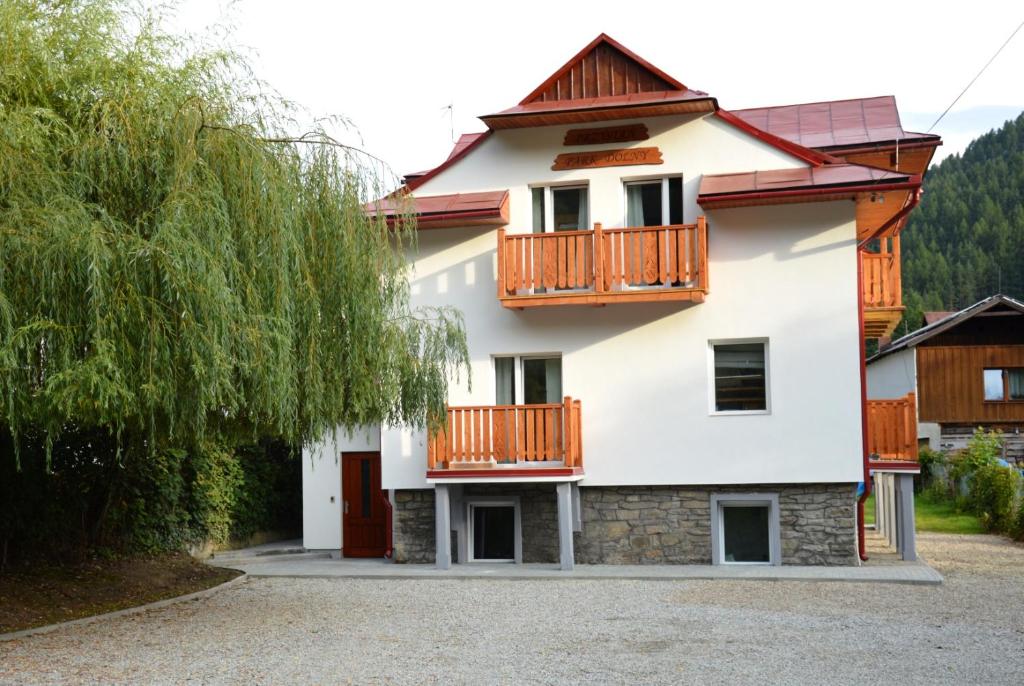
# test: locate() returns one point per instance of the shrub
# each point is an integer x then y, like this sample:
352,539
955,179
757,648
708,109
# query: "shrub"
982,450
993,495
929,459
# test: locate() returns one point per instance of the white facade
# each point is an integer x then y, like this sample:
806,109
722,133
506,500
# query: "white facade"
892,376
321,485
785,273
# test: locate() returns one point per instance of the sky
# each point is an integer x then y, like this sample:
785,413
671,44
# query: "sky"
408,75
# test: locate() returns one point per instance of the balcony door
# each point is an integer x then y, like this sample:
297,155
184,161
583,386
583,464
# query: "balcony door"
527,380
561,208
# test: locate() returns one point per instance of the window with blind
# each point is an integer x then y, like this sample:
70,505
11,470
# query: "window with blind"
740,376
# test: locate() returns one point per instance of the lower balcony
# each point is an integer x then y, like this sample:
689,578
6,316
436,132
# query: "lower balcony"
603,266
519,441
892,429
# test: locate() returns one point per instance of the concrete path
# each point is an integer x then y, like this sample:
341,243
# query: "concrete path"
260,563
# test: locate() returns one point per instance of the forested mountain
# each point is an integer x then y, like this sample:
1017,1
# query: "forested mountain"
966,240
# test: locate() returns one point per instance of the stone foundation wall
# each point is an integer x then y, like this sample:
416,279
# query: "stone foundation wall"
647,524
413,526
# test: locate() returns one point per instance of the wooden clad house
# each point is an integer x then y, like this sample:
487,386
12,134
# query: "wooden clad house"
666,304
966,370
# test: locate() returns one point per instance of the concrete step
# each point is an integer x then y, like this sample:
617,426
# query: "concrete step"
236,558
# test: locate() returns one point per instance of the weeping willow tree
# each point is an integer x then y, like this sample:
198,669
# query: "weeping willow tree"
176,268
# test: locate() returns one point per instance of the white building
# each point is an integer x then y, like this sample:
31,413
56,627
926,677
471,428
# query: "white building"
663,306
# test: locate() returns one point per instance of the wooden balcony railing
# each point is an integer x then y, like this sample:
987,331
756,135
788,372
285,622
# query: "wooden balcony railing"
503,435
882,288
892,428
641,264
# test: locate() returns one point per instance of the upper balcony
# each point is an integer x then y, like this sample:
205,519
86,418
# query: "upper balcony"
603,266
882,288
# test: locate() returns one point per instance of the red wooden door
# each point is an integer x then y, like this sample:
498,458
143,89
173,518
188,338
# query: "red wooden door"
364,521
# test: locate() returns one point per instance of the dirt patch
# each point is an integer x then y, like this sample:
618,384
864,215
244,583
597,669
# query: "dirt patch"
40,594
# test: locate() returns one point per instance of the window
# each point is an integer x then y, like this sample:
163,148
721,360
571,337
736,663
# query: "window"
532,380
495,529
745,529
1004,385
560,208
654,202
740,381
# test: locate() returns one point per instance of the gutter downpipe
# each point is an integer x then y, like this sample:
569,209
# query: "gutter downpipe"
914,200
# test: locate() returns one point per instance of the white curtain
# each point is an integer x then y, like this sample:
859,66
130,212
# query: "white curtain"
582,220
634,205
505,380
1016,383
553,380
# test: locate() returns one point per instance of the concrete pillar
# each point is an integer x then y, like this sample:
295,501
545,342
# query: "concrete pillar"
442,526
459,523
577,508
565,551
907,536
878,501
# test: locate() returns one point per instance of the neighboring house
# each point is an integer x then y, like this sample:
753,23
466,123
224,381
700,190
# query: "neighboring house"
662,301
965,369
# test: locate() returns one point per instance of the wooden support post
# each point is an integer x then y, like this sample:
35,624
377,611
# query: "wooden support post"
501,263
567,453
702,253
598,258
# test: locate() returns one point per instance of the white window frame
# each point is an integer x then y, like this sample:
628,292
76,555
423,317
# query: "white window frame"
665,195
549,205
712,410
517,365
494,501
719,501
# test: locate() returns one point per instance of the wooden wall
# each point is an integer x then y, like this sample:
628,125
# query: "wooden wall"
950,386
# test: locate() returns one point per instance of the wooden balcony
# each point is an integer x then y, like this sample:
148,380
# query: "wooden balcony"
883,289
508,440
892,428
603,266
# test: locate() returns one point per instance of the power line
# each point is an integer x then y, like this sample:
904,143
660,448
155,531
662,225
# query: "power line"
992,59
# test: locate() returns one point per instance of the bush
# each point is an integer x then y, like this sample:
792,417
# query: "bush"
993,496
930,459
984,448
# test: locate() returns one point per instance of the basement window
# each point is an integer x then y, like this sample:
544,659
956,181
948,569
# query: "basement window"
745,529
495,533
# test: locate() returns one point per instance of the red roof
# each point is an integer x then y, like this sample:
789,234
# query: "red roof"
932,317
465,140
748,188
835,124
439,211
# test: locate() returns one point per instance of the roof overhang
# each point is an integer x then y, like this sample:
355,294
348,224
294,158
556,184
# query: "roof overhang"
444,211
581,111
809,184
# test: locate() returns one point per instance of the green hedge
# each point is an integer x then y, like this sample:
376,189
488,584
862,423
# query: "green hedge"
97,500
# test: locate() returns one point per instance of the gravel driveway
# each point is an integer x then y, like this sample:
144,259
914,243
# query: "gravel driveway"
970,629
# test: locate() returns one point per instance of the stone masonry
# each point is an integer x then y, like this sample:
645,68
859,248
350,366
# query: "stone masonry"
648,524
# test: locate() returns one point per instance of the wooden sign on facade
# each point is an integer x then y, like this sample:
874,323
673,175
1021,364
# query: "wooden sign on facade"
622,157
606,134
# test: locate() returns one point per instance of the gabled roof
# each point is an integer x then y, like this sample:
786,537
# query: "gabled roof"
797,185
914,338
488,208
932,317
836,124
605,80
608,68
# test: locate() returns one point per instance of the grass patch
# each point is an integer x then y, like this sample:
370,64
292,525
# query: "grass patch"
37,594
936,516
